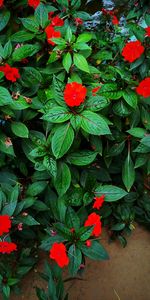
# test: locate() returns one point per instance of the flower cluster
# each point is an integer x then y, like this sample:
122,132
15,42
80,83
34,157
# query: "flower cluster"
58,253
94,220
132,51
50,29
10,73
34,3
147,29
144,88
74,94
6,247
5,225
1,3
111,13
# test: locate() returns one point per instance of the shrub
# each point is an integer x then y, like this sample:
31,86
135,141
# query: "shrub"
74,133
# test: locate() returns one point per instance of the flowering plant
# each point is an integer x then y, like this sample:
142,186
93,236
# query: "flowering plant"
74,132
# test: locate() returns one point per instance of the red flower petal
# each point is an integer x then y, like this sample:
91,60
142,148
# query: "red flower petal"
58,253
144,88
132,51
94,219
74,94
34,3
99,202
5,224
6,247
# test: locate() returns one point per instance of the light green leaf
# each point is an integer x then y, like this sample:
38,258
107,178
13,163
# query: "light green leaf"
67,61
5,97
80,62
20,129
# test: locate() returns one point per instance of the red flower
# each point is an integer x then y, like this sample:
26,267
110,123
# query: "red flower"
104,11
94,219
34,3
115,20
144,88
58,253
6,247
5,224
99,202
107,12
74,94
132,51
147,31
51,33
50,14
1,3
88,243
95,90
78,21
10,73
56,21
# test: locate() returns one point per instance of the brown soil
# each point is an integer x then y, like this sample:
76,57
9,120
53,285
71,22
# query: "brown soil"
124,277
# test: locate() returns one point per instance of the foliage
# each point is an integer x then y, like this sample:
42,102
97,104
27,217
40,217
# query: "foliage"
56,157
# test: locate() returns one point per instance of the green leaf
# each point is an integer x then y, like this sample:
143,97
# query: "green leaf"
30,24
57,114
72,220
62,140
75,257
94,123
28,220
82,158
36,188
147,19
146,141
6,291
22,36
5,97
137,132
84,37
68,36
20,129
112,193
103,55
9,208
7,49
110,91
50,165
130,97
97,103
118,226
41,15
25,51
63,179
4,19
80,62
128,173
67,61
84,233
96,251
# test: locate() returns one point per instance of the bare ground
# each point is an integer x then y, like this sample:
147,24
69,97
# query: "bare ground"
126,276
